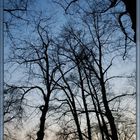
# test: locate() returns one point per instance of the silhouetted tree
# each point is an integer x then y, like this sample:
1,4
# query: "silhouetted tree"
102,8
69,72
38,56
88,74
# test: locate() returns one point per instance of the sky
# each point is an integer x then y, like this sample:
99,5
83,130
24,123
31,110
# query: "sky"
121,67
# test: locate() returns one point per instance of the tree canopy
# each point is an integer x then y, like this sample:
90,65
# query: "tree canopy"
70,72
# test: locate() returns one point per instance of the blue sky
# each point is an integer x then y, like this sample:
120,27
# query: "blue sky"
57,13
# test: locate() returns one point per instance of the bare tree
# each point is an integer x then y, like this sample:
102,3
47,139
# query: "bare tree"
15,11
34,55
13,104
69,74
88,61
103,8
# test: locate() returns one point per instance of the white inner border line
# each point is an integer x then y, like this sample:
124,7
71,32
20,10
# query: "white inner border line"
1,70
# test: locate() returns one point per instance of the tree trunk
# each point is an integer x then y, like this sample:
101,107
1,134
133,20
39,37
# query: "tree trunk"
78,126
75,116
109,114
104,97
40,133
85,104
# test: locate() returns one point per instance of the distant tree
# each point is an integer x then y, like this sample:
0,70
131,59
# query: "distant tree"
13,104
31,134
14,110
